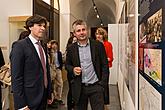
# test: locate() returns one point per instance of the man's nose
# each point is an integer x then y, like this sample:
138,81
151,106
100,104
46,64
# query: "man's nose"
81,31
43,27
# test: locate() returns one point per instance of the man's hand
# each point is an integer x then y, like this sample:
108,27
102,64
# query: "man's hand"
25,108
49,101
77,70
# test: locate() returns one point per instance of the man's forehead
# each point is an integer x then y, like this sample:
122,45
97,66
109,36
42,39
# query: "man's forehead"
80,27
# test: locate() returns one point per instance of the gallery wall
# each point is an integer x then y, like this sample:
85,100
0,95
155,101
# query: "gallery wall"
11,8
151,55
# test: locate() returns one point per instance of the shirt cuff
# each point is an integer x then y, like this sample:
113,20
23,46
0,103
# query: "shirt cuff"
23,108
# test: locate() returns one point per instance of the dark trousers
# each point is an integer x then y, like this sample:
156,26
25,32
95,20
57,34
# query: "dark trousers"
93,93
70,103
0,97
43,103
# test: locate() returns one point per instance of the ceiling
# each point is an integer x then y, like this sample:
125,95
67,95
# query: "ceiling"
106,9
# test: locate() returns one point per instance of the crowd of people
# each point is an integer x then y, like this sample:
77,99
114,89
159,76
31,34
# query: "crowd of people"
36,69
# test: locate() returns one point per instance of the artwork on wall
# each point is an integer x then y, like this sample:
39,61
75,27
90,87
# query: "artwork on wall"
142,33
153,64
154,28
151,30
151,54
149,97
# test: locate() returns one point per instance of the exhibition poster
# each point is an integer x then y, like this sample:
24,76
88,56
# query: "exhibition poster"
153,64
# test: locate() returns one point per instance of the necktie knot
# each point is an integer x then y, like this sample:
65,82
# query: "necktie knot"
38,43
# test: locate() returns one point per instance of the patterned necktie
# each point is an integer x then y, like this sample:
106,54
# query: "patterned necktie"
43,63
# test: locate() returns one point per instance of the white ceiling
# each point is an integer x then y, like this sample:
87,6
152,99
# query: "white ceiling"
106,9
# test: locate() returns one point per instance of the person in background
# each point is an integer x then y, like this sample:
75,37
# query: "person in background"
72,39
70,103
57,80
23,35
30,74
102,36
48,45
87,66
51,57
2,62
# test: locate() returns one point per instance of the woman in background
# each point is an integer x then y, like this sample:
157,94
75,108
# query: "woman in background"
23,35
102,36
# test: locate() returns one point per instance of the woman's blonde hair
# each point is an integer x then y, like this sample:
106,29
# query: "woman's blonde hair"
102,32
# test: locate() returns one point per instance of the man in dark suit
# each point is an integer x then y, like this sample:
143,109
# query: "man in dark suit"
31,84
87,66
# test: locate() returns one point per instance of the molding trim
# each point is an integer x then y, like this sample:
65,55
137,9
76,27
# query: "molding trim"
18,18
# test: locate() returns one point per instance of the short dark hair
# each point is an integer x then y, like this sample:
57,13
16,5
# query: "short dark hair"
36,19
54,42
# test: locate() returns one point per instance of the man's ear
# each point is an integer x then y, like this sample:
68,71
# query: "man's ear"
74,34
30,28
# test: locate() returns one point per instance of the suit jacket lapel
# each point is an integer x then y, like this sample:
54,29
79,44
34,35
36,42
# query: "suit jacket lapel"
33,49
76,53
93,48
93,55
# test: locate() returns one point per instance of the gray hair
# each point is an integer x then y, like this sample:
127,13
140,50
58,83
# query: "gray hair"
78,22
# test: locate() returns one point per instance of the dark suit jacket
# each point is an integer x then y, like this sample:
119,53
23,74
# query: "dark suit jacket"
99,61
59,54
27,75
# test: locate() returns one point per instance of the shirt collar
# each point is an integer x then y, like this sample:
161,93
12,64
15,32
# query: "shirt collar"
84,45
34,41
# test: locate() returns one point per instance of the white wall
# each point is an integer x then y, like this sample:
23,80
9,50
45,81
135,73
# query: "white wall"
124,94
76,9
68,14
114,39
118,34
11,8
64,23
136,46
119,9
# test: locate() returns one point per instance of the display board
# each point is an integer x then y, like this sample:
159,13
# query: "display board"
151,54
127,46
153,64
131,54
149,97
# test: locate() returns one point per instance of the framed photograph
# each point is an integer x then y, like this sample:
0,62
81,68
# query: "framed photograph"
154,28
